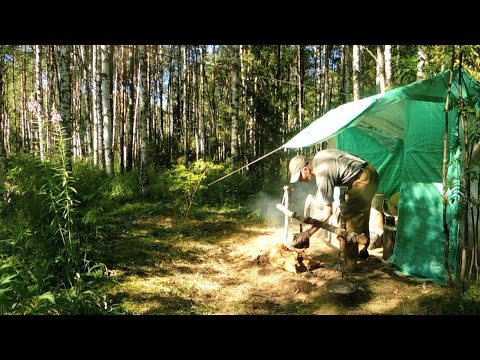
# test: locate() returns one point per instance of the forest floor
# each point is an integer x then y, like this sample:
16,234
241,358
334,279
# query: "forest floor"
220,265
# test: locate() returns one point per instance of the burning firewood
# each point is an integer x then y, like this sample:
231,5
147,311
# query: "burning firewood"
291,260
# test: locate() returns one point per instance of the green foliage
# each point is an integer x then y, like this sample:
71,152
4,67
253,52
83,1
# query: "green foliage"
40,239
7,274
405,69
232,190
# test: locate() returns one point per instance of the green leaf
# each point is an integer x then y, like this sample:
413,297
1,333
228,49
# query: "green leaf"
47,296
7,279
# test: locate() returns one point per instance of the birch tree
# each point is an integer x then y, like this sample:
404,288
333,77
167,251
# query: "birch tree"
131,110
380,69
38,100
300,84
326,80
95,114
65,101
184,104
160,95
106,110
143,118
356,72
388,66
234,139
123,110
88,107
25,126
99,108
3,170
201,122
421,58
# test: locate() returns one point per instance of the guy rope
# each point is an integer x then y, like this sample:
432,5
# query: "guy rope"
243,167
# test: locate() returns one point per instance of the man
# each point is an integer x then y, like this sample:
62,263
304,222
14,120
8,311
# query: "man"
332,167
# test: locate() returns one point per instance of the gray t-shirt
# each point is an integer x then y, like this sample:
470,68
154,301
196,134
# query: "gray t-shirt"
332,168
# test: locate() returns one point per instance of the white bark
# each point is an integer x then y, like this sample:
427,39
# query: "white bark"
388,66
348,73
201,122
184,105
356,72
234,140
94,105
98,80
38,99
326,78
380,79
3,160
318,80
106,110
299,77
420,63
65,101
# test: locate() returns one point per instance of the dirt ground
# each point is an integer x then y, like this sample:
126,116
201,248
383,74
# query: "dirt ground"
234,276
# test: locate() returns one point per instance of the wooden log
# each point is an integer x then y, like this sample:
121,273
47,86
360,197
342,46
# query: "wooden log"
389,234
290,260
349,236
377,221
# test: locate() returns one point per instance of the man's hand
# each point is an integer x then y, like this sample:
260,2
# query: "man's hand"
301,240
302,236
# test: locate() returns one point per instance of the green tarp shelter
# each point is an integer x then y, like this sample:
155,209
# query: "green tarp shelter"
401,132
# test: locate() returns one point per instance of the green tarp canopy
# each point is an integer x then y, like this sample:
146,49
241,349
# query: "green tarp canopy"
401,132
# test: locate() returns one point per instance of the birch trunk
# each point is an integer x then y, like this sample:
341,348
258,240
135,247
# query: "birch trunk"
380,79
184,105
123,111
388,66
88,105
94,104
65,103
348,73
15,124
326,77
107,112
3,155
38,100
76,106
131,112
356,72
25,123
214,128
243,77
160,85
420,63
170,105
113,74
143,118
201,123
234,139
98,80
51,86
154,111
300,85
318,80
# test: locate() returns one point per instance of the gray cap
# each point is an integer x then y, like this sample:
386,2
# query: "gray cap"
296,164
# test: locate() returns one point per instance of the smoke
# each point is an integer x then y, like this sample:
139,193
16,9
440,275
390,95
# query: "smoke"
265,204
